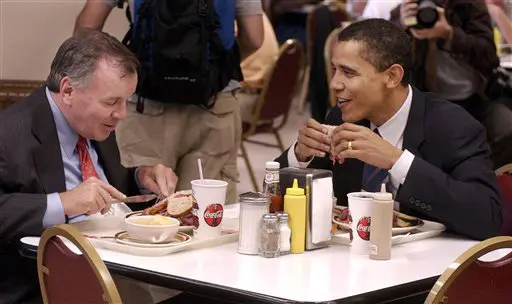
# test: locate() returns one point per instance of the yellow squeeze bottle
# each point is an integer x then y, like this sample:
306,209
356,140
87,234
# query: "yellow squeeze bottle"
295,206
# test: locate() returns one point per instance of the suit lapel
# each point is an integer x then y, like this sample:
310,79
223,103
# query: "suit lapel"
107,159
414,130
47,155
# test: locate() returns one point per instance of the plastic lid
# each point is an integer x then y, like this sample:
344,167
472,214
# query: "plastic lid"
295,190
272,165
383,195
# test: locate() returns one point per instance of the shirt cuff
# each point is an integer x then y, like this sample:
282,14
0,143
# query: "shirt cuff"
292,158
54,211
399,171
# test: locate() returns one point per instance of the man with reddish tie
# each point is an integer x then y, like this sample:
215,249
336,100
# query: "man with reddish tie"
59,160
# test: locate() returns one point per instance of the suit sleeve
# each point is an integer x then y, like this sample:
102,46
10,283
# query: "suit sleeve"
464,194
21,214
475,44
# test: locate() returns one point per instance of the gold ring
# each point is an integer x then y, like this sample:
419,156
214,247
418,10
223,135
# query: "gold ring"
350,145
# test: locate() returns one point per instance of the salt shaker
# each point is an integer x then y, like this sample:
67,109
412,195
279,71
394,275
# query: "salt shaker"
253,206
285,234
269,236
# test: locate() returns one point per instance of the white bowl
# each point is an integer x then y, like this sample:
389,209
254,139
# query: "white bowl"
151,233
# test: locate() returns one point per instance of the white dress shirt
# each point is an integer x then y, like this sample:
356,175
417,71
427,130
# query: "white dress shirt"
392,131
379,9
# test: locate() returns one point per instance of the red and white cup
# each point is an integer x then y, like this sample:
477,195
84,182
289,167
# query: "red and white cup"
210,195
360,207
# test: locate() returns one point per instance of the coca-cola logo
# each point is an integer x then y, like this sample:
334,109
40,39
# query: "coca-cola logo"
213,214
363,228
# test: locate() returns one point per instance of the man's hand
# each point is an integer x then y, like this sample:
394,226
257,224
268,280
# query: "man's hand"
442,29
353,141
312,141
89,197
408,12
158,179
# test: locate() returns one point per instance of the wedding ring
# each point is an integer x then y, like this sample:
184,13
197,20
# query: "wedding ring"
350,145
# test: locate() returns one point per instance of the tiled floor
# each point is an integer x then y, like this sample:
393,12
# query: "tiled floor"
258,154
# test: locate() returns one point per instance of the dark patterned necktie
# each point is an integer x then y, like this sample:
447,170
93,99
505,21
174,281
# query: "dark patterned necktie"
374,177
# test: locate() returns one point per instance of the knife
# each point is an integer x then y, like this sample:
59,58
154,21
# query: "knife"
135,199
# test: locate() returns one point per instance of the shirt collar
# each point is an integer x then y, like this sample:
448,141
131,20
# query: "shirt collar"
67,136
393,129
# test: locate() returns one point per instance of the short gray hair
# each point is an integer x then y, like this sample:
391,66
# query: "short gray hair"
79,55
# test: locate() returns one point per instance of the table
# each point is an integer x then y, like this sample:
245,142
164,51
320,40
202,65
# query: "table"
506,61
326,275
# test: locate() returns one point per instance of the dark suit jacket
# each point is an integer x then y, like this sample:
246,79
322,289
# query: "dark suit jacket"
31,167
449,181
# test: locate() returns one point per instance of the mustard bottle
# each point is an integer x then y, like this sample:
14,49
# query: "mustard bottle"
295,206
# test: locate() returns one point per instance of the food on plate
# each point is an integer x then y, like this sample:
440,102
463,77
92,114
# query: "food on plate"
181,205
156,220
400,220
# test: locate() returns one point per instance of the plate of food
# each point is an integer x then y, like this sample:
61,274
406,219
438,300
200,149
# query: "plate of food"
402,223
180,205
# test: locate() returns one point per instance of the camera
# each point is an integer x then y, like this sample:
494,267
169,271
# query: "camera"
427,15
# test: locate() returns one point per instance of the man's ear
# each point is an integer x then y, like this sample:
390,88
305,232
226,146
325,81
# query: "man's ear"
395,74
66,90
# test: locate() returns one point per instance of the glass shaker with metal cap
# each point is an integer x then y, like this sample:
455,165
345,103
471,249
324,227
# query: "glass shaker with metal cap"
269,236
253,206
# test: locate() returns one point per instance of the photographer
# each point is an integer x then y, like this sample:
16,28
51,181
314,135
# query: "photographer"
454,56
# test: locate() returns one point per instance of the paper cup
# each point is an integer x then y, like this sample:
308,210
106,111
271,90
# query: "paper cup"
210,195
360,206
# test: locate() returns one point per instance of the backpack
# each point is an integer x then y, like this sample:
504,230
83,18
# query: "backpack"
186,49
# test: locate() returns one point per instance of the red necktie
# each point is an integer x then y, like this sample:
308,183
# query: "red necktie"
86,165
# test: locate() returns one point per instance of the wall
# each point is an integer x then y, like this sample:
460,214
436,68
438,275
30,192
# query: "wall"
32,30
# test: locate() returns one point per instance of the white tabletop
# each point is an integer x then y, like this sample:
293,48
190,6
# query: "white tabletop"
506,61
322,275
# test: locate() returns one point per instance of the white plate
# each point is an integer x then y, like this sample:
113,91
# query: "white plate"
394,231
180,239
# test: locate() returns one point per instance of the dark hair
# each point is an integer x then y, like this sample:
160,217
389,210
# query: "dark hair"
382,44
79,55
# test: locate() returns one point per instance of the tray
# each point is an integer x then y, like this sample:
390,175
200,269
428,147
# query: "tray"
101,231
427,230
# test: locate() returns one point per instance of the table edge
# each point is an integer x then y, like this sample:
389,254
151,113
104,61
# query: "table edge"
220,292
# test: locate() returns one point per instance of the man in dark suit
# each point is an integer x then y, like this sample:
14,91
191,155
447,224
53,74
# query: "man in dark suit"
59,160
430,153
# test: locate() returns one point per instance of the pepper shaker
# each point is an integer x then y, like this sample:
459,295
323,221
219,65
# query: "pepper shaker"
269,236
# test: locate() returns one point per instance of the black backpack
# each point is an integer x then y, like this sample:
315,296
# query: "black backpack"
186,48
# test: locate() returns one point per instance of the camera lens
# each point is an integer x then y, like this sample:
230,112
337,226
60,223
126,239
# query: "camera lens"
427,14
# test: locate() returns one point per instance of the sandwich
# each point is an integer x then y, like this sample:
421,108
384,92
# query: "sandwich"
181,205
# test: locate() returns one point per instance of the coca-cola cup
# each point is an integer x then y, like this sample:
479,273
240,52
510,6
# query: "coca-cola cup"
360,207
210,195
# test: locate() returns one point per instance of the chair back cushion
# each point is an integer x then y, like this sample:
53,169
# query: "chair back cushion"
505,185
482,282
70,278
282,81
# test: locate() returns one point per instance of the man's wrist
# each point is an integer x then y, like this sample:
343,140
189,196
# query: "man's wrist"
395,157
301,158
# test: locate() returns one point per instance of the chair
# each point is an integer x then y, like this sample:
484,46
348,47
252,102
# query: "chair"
15,90
274,100
65,276
340,14
504,180
469,280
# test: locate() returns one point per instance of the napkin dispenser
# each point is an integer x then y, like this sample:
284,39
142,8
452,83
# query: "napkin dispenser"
317,184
